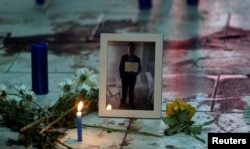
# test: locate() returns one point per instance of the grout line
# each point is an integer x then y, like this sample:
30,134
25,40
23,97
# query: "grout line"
125,136
226,30
98,25
8,70
227,26
215,91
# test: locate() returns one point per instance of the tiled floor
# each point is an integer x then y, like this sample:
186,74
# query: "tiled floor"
205,60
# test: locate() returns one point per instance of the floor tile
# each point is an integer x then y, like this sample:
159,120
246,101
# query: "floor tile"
6,60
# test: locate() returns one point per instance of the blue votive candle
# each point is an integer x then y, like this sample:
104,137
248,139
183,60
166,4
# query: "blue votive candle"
39,66
79,126
79,121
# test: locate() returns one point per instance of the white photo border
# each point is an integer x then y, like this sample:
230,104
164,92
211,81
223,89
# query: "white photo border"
133,37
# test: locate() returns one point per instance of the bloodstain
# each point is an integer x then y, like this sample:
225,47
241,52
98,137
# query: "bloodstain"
134,128
231,104
233,37
113,146
69,38
125,143
100,135
90,146
181,44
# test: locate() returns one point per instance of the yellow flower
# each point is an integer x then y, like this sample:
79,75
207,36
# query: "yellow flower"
178,106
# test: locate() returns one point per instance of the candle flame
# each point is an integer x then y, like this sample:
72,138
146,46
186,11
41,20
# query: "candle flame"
80,105
109,107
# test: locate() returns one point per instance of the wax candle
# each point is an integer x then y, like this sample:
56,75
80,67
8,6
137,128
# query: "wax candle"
79,121
40,2
145,4
193,2
39,66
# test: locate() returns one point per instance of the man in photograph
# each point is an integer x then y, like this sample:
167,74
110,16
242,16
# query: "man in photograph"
129,68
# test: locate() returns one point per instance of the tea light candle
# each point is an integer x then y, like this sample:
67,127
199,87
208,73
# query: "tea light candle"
79,121
39,66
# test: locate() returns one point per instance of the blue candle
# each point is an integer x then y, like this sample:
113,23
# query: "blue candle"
79,121
79,126
40,2
145,4
193,2
39,66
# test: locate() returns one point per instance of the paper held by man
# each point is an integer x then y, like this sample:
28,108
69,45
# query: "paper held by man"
131,66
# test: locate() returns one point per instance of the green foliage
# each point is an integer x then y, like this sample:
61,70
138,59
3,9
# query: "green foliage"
15,115
179,123
40,126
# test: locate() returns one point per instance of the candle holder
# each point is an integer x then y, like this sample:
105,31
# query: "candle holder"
39,66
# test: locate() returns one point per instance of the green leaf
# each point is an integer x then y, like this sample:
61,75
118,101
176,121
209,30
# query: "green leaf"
173,130
198,138
208,122
168,121
190,123
182,117
187,131
196,129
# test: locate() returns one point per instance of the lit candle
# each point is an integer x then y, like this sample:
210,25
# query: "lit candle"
109,107
79,121
39,66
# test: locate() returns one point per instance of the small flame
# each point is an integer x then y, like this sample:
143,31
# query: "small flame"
80,105
109,107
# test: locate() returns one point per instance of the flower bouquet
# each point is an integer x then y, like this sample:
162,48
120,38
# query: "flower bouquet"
41,126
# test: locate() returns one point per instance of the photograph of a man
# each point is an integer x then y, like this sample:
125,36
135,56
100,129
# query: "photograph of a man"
129,68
